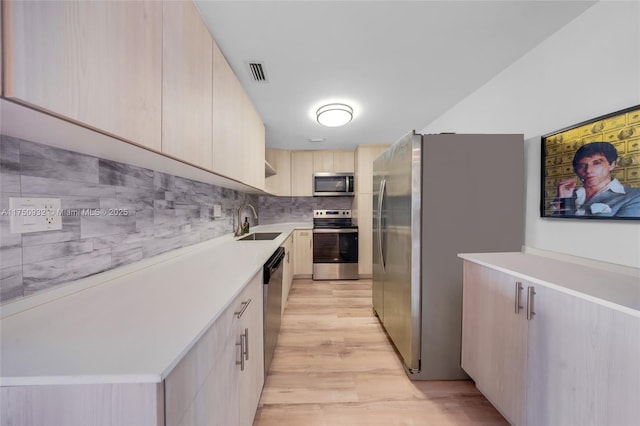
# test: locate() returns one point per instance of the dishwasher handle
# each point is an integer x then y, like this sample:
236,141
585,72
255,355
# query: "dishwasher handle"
274,262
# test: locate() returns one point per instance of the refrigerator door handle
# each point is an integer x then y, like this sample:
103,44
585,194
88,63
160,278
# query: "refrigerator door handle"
383,185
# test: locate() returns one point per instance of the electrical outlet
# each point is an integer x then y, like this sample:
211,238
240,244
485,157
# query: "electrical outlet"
34,214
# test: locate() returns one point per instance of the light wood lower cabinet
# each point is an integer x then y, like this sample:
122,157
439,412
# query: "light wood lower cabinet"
93,404
217,382
572,362
303,248
583,362
287,272
220,379
494,338
364,213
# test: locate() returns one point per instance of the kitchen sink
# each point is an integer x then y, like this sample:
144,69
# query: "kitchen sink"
261,236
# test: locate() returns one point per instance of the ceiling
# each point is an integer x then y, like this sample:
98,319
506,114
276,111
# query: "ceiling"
399,64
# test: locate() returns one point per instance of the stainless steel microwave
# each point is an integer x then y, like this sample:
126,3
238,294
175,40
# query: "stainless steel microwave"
328,184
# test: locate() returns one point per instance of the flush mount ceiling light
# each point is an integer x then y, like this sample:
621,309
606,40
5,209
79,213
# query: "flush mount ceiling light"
334,115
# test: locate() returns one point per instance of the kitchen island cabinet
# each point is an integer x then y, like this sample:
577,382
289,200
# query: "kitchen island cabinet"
567,353
494,333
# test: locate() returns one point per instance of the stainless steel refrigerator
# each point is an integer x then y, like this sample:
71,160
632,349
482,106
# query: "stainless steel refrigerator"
435,196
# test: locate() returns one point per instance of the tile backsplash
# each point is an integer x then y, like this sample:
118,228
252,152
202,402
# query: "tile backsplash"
297,209
164,212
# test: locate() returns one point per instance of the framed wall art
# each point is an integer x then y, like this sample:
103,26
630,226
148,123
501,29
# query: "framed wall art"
591,170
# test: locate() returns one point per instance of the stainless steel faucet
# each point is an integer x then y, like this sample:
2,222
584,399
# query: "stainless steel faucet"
238,231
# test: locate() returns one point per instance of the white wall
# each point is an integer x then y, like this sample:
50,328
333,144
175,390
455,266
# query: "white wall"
589,68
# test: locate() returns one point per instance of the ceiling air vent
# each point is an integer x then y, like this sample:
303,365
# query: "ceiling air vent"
257,72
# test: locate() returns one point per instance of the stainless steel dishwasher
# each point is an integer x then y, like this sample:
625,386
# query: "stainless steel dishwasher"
272,294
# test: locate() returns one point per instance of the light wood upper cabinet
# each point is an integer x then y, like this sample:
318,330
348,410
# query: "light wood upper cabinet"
301,173
253,145
186,85
238,131
280,183
343,161
322,161
333,161
227,118
98,63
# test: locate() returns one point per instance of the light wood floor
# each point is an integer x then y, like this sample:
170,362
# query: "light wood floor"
333,366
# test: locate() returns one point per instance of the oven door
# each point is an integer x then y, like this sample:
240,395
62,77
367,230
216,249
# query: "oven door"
335,245
335,254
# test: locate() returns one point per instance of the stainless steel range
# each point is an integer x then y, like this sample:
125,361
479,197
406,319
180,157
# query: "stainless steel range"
335,245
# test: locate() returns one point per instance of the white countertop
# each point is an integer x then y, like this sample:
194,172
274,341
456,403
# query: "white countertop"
615,290
132,324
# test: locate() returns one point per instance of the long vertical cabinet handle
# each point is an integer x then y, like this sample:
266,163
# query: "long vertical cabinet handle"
518,297
530,308
242,345
383,185
246,344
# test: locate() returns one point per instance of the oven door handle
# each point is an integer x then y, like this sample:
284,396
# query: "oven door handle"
335,231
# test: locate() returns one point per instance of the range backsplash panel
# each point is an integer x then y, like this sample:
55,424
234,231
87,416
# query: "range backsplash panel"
165,212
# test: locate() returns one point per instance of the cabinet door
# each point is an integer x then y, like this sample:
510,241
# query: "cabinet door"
494,338
280,183
322,161
365,232
97,63
203,387
583,364
287,275
186,85
343,161
301,173
228,101
364,167
251,379
303,258
253,140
